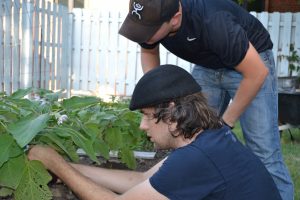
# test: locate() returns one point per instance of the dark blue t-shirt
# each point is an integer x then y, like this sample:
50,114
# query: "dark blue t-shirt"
216,34
214,166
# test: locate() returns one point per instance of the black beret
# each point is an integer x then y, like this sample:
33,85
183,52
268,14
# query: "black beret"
162,84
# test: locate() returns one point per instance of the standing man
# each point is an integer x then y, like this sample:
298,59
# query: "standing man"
207,161
233,58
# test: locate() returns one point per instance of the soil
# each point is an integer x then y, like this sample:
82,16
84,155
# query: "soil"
61,191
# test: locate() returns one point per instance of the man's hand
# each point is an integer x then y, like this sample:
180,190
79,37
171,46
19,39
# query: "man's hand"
46,155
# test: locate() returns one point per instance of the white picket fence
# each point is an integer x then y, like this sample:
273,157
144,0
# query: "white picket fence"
34,45
107,63
43,45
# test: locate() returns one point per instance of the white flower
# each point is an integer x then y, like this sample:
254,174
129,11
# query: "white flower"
62,119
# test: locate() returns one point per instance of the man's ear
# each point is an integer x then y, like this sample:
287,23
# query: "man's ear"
176,19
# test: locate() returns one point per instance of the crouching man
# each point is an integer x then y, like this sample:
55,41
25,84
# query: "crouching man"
207,161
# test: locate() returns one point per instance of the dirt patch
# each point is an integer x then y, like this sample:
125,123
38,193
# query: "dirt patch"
61,192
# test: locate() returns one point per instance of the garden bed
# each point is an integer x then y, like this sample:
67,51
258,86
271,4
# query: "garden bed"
62,192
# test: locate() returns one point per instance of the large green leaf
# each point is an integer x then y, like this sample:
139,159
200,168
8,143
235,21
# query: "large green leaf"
33,184
8,148
79,102
86,145
113,137
127,157
61,143
20,93
12,171
81,141
101,148
26,107
91,129
27,128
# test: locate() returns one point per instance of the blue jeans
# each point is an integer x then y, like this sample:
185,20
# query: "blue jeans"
260,120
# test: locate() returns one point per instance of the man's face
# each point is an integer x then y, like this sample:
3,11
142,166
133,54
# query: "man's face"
159,133
162,32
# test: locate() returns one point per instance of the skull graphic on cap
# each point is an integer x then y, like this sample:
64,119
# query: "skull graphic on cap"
136,8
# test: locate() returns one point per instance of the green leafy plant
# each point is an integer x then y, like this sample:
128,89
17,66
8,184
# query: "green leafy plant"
85,123
294,61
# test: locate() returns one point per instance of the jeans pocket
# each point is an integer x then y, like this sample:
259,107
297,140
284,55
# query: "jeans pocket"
270,84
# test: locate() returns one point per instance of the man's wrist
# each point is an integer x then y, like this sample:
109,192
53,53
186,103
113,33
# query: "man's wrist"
226,124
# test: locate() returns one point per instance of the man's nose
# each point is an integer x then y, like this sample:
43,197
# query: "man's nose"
143,124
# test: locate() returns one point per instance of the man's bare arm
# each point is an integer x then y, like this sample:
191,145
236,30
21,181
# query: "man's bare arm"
118,181
85,187
150,58
254,74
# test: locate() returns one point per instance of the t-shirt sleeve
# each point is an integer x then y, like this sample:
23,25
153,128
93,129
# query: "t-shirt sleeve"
187,174
227,39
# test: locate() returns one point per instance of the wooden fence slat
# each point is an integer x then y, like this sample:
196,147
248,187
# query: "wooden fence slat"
93,56
274,34
121,59
76,49
112,61
2,16
26,48
297,33
16,47
53,47
103,48
264,19
131,66
84,62
36,40
58,43
285,41
7,47
68,50
42,46
65,48
48,33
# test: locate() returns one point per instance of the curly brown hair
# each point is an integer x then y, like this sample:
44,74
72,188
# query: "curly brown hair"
191,113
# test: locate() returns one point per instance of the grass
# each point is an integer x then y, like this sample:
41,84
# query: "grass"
291,154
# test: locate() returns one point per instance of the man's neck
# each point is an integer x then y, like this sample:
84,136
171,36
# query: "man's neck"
186,141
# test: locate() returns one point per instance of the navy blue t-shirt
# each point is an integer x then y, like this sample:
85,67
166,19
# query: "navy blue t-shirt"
214,166
215,34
